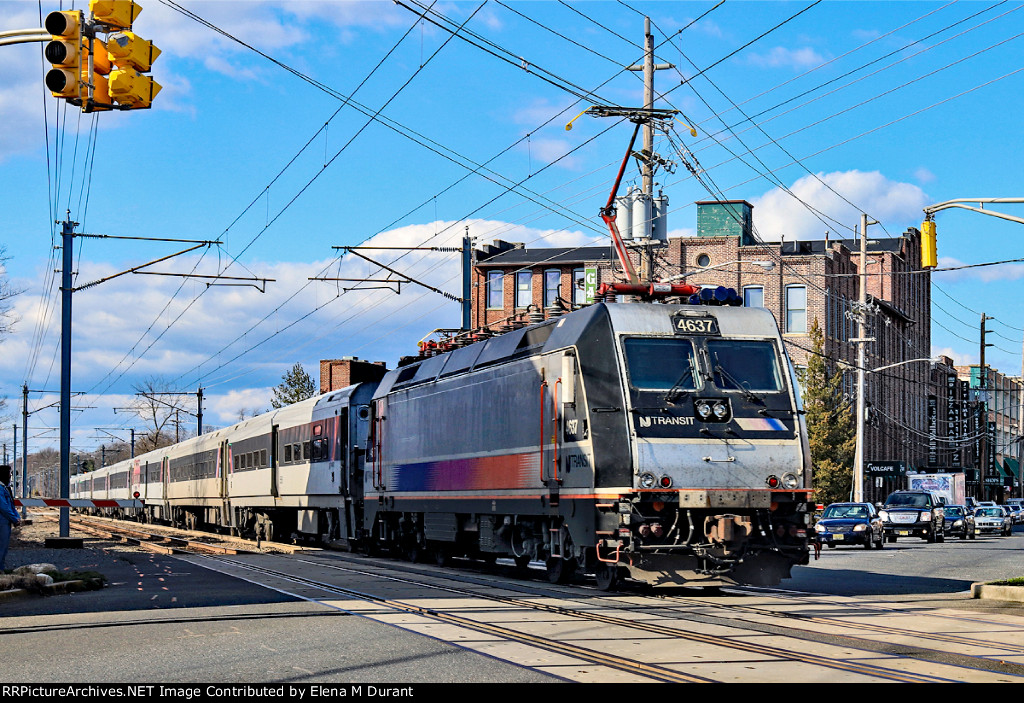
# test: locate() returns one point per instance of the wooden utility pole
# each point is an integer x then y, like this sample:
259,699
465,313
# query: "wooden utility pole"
647,155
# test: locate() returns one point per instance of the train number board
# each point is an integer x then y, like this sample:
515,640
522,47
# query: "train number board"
688,324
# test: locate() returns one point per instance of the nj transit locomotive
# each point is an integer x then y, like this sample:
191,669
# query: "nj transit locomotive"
662,443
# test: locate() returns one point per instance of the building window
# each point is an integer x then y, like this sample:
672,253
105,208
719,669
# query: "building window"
495,290
753,297
579,286
703,260
524,289
796,309
552,280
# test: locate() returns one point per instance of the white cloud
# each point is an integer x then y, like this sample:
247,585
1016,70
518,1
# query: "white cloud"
923,175
779,56
682,232
544,151
134,326
959,358
894,204
983,274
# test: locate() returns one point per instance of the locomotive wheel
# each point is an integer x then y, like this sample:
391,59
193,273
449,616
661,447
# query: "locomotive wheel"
607,576
561,570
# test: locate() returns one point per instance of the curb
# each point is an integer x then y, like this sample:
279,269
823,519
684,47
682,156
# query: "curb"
989,591
53,589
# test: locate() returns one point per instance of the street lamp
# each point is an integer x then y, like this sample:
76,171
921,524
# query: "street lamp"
858,469
766,265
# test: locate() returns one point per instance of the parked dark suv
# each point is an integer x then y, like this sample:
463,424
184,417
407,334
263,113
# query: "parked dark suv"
913,514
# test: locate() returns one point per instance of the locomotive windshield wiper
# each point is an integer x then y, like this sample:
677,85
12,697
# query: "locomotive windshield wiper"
739,385
676,391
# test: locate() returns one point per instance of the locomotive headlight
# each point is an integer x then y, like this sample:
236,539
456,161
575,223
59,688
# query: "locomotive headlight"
704,409
790,481
721,410
648,480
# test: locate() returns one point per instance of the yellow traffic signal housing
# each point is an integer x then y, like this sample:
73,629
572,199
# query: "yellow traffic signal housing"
114,13
131,88
65,52
929,246
64,25
127,50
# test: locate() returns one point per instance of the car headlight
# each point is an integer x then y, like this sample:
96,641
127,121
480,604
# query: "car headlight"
884,514
820,528
925,516
958,523
860,528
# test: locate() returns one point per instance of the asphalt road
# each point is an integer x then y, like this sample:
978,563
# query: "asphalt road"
165,620
912,566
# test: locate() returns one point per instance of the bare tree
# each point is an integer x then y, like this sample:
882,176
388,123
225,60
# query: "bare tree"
161,409
246,413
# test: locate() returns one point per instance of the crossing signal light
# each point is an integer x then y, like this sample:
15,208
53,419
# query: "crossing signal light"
929,246
114,13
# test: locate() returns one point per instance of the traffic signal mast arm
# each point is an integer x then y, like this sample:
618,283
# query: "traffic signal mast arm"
929,247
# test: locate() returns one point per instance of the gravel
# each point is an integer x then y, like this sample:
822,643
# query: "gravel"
28,547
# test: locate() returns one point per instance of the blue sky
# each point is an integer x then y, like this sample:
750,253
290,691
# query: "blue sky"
893,105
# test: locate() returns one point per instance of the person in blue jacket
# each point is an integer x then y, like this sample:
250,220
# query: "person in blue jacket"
8,514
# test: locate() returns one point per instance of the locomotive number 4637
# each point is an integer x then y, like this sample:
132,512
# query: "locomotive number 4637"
694,325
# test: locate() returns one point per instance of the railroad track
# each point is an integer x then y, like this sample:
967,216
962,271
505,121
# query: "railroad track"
656,627
159,542
614,612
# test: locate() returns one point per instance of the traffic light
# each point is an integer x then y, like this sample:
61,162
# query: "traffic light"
114,13
929,247
81,60
126,50
132,55
133,89
65,52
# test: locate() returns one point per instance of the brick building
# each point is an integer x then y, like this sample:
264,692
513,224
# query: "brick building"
336,374
993,438
799,281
